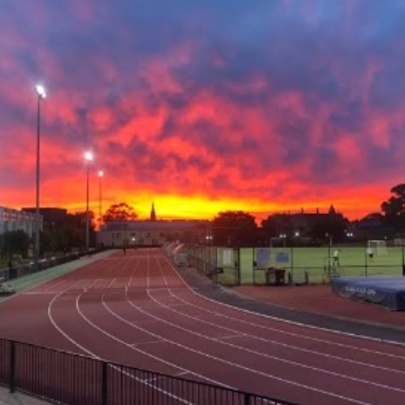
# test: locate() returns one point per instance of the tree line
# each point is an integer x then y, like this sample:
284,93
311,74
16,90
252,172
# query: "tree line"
229,228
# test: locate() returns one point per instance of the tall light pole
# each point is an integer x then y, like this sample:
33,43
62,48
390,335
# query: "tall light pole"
88,156
100,194
41,94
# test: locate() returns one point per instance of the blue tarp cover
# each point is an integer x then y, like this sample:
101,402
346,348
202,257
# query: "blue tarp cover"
388,291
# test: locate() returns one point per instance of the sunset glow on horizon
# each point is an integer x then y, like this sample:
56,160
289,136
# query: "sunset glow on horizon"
204,106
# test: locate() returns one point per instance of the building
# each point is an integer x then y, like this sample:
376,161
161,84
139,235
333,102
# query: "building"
151,232
51,217
306,228
16,220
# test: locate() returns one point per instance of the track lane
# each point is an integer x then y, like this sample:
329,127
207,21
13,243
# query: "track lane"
263,335
167,331
299,369
315,335
317,358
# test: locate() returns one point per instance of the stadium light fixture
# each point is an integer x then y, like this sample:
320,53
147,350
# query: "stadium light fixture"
40,91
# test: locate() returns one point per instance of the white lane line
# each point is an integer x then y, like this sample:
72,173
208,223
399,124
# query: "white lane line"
45,277
231,330
292,334
281,320
238,333
148,342
92,284
148,276
111,283
227,362
261,354
57,282
63,333
134,270
230,336
113,337
181,374
92,354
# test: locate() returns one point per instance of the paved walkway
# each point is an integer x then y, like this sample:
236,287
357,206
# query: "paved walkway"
319,299
25,283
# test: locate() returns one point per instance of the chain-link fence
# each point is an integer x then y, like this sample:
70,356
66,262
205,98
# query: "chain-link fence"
293,265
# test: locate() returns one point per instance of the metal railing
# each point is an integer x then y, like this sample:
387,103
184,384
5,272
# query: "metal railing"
68,378
21,270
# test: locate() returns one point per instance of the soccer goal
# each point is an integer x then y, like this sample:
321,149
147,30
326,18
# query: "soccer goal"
379,246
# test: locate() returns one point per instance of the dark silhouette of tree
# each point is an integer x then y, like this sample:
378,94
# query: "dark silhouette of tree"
234,228
14,242
120,212
332,226
68,234
394,209
276,225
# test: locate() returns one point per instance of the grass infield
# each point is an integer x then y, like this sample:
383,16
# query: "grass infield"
316,262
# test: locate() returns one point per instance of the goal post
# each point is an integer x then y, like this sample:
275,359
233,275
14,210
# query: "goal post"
399,242
379,247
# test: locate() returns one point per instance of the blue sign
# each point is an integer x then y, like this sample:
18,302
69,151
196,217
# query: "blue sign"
282,257
262,257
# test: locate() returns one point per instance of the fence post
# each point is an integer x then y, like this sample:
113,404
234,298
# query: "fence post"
239,267
247,399
12,367
104,383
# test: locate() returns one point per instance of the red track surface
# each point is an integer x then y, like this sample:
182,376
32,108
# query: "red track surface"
135,309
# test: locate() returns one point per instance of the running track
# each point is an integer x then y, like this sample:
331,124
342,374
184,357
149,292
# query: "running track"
135,309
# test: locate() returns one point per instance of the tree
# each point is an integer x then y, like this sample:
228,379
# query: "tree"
14,242
394,208
333,225
234,228
120,212
68,234
275,225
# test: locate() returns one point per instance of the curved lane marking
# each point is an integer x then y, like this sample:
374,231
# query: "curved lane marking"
281,320
238,333
204,354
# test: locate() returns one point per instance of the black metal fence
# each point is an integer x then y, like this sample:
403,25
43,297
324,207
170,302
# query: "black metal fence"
68,378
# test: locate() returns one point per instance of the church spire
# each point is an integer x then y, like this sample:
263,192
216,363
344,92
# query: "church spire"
153,213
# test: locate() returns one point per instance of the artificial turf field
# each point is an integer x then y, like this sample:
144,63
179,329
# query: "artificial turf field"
316,261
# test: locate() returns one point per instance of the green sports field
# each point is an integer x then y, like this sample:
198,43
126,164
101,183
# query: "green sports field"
316,262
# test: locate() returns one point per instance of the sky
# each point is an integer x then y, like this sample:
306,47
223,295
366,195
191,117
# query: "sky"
204,106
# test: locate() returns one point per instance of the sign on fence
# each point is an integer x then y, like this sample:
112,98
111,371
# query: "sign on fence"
262,258
282,257
227,257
